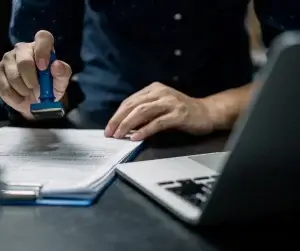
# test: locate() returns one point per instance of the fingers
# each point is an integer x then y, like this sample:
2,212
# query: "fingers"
43,46
26,65
159,124
13,76
19,68
19,85
153,109
126,107
141,115
61,73
7,93
149,94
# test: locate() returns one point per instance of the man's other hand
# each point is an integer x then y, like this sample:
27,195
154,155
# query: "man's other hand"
158,107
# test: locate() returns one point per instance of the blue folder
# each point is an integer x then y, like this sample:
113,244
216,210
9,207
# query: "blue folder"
32,195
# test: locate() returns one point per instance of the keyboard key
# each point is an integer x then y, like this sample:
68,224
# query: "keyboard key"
176,190
210,184
201,197
195,199
201,178
189,190
184,181
189,187
206,190
165,183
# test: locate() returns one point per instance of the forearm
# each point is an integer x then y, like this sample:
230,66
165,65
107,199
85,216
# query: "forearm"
225,107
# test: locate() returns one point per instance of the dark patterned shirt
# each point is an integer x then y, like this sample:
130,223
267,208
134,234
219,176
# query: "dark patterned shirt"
277,16
198,47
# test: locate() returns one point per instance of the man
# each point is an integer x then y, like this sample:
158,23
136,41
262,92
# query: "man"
149,66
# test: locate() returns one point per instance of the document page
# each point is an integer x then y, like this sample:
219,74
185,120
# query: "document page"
59,159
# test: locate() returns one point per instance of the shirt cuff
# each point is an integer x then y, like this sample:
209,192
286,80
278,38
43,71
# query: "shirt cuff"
14,117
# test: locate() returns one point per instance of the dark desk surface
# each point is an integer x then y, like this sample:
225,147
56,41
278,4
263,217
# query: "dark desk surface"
122,219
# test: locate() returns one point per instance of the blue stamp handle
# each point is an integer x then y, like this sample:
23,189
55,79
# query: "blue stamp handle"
46,82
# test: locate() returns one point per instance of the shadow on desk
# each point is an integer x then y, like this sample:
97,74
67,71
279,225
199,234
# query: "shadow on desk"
124,219
174,144
255,239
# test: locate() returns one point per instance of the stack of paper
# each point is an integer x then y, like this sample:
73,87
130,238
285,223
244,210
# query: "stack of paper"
66,166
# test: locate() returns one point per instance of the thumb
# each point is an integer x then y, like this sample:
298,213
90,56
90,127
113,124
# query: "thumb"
61,73
43,45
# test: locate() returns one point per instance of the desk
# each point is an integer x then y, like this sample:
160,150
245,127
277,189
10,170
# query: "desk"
122,220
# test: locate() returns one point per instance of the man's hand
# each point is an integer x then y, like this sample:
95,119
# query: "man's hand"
157,108
19,86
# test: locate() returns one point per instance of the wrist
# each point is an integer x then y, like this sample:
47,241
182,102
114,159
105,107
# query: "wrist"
212,110
224,108
220,114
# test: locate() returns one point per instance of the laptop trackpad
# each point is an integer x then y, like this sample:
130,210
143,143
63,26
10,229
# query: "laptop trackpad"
213,161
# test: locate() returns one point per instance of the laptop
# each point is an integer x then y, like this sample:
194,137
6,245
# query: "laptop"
257,173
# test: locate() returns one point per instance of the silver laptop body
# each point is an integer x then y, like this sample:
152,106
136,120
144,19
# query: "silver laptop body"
257,175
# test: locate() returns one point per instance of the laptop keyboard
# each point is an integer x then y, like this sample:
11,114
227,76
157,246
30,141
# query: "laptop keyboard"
193,190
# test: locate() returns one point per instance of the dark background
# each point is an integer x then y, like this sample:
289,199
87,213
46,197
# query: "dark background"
5,9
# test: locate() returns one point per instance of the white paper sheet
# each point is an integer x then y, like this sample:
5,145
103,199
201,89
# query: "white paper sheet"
60,159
